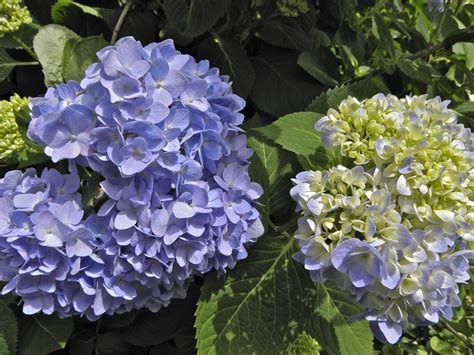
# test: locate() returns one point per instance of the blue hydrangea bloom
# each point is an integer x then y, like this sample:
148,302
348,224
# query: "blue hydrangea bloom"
163,131
45,249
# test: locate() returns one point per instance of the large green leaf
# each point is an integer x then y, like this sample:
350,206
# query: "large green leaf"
60,9
8,330
281,86
361,90
231,59
40,334
293,34
257,308
295,132
335,306
193,18
381,32
49,44
320,65
466,112
4,347
271,168
417,69
141,25
262,306
465,50
82,54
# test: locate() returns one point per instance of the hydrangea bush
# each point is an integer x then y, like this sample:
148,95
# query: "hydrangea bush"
145,201
163,132
395,229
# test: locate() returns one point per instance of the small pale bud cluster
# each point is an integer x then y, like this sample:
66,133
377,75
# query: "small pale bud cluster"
11,141
12,16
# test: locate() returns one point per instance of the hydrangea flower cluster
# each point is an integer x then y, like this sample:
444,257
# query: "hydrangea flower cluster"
163,131
55,259
11,140
46,252
13,16
396,229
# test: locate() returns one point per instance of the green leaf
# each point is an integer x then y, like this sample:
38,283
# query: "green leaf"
193,18
256,308
93,11
465,108
231,59
336,307
271,168
361,90
7,64
60,8
439,345
450,26
422,29
320,65
141,25
40,334
8,330
381,32
281,86
49,44
293,34
4,347
30,158
91,190
67,53
295,132
466,112
267,301
417,69
83,54
466,51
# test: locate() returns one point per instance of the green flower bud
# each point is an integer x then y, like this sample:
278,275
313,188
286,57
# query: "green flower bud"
12,16
293,8
11,140
304,344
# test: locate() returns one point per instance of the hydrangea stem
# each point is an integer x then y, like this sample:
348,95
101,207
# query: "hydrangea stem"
282,229
450,328
120,21
19,64
25,47
96,343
